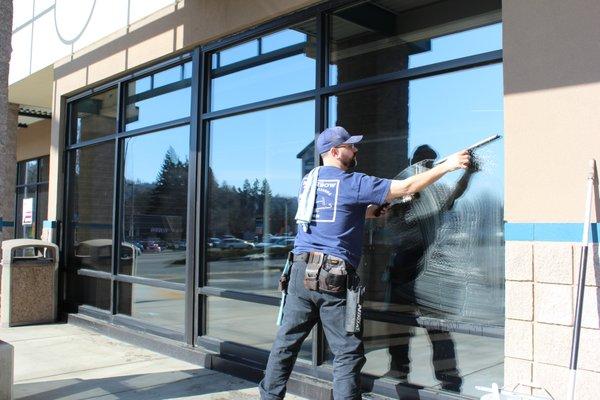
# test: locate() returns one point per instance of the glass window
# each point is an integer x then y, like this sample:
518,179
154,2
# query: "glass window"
246,323
31,171
414,258
238,53
282,39
25,228
90,291
377,37
254,176
91,182
263,74
94,116
41,209
44,168
32,197
154,212
162,97
157,306
432,357
27,172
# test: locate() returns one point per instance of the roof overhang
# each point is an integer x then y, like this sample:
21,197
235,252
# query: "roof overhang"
34,90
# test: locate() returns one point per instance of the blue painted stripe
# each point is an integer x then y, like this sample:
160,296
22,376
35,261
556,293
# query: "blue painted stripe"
549,232
48,224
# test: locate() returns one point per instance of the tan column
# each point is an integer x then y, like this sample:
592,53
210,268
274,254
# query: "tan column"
8,169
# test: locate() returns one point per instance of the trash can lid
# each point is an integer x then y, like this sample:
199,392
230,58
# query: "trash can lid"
17,243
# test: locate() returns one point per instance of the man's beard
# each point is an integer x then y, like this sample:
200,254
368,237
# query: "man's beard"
352,163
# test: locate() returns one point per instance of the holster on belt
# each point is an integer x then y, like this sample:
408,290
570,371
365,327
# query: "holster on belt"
354,300
284,279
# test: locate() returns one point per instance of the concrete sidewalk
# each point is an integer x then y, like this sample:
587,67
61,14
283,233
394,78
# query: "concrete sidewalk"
62,361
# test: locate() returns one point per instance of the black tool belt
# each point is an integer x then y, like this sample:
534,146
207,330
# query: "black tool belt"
325,273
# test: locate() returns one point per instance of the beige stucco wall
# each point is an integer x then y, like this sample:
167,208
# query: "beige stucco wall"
552,129
34,141
171,30
540,297
552,98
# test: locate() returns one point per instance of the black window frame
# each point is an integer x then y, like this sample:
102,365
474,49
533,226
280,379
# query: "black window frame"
117,137
199,121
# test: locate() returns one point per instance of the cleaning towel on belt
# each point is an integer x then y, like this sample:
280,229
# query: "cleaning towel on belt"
306,199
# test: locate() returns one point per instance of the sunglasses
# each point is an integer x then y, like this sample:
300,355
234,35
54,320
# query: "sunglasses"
347,146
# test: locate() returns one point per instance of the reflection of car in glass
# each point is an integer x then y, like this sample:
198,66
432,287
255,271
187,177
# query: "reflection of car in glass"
179,245
264,245
139,246
214,242
276,241
286,242
234,243
152,247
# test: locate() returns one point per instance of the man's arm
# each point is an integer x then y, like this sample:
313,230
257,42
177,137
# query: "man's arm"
416,183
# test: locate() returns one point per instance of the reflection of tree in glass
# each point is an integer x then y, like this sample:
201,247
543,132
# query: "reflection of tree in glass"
157,210
249,212
168,197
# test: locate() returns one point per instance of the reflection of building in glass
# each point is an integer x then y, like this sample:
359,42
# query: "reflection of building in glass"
307,157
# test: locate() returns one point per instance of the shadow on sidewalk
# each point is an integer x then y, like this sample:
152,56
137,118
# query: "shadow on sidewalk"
163,385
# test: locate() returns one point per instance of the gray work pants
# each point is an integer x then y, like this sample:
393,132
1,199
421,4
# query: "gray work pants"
303,308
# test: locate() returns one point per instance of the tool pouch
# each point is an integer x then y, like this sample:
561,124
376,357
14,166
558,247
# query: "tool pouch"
313,269
354,300
333,277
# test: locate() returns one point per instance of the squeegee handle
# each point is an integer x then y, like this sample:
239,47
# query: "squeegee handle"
477,145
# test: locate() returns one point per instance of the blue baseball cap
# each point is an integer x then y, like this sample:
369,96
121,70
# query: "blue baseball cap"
333,137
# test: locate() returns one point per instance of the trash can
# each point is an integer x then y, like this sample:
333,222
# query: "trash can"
29,288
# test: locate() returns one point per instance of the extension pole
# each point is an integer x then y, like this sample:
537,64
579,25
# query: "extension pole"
581,283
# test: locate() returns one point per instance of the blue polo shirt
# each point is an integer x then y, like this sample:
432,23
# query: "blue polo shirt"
338,218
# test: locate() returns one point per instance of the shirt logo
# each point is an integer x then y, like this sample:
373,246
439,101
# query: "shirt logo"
326,200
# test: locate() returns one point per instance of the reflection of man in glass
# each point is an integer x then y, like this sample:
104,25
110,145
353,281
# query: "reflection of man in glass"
335,232
415,224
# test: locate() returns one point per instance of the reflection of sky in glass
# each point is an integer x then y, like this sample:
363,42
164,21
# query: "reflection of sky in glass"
292,74
238,53
281,39
263,144
144,155
171,105
453,111
278,78
168,76
449,47
460,44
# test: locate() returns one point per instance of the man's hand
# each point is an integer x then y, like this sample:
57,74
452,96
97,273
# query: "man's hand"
374,211
460,160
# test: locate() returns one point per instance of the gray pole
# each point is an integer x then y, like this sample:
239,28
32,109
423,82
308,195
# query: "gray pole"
581,282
